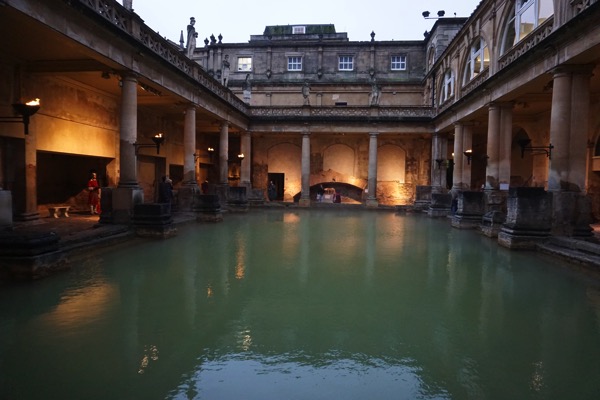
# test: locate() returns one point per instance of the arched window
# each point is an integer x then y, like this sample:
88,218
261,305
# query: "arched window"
430,57
477,60
526,16
447,90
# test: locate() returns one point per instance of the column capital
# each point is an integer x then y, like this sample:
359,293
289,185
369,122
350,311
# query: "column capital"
578,69
373,134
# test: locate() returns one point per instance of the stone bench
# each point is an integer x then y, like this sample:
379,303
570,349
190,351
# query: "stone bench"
56,210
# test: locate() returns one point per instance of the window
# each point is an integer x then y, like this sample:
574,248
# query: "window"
298,30
527,15
447,91
346,63
244,64
398,63
478,59
294,63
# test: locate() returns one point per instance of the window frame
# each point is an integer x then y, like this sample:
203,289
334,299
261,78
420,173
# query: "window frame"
514,30
478,59
448,83
298,30
401,62
299,64
346,62
240,64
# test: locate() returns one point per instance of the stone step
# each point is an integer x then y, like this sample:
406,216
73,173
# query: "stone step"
574,250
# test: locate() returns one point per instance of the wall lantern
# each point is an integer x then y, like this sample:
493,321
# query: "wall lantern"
158,139
469,155
241,157
525,145
23,112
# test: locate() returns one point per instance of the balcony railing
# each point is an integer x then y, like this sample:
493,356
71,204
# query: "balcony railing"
125,20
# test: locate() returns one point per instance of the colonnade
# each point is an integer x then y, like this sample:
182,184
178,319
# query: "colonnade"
566,149
128,191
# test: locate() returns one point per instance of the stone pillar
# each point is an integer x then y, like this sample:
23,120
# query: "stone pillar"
189,147
569,135
459,158
223,154
372,174
462,167
559,131
505,145
189,190
305,180
246,147
439,153
492,171
128,192
30,212
499,141
580,109
128,133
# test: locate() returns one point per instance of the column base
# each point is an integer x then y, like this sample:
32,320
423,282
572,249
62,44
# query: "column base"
6,217
372,203
303,202
124,200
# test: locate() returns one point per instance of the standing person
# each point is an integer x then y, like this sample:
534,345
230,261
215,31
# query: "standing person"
272,191
320,193
204,187
165,190
94,194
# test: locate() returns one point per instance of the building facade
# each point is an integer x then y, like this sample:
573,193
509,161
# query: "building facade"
506,98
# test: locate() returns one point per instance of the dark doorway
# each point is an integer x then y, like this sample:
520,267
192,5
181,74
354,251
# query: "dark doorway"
278,179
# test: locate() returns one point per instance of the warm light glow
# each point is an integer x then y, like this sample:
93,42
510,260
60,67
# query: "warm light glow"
466,152
35,102
210,149
158,135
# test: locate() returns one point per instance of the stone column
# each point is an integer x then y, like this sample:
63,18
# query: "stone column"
492,170
128,133
569,134
505,145
372,174
467,145
461,177
246,147
189,190
223,154
580,109
128,192
439,153
30,212
189,147
305,179
559,130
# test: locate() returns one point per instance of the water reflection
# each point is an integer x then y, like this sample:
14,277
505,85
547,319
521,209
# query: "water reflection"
306,304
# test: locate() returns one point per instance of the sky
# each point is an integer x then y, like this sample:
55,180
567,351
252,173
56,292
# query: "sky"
236,20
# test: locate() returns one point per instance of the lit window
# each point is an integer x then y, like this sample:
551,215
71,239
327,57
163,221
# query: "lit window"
447,91
244,64
295,63
526,16
298,30
346,63
478,59
398,63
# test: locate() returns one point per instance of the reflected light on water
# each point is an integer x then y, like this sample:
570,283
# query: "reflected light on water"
150,354
82,306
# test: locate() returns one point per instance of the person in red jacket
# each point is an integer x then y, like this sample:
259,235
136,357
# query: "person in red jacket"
94,194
